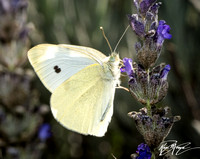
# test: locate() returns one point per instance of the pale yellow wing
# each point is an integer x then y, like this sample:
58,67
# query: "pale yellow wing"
84,103
54,64
95,54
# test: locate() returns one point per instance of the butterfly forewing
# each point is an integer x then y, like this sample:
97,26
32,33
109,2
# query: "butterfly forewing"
95,54
56,63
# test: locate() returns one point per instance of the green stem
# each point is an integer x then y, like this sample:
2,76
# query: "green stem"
148,97
153,156
149,108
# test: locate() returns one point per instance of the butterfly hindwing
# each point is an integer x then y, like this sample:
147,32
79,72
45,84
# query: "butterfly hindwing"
88,105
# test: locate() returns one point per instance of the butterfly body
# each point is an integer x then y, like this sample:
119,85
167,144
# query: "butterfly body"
82,81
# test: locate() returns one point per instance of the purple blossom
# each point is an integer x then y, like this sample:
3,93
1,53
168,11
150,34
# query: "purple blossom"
145,5
155,7
44,132
163,32
149,16
128,67
12,5
18,4
143,151
153,26
164,72
136,25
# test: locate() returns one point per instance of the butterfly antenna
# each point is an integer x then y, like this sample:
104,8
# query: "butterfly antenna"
106,39
121,38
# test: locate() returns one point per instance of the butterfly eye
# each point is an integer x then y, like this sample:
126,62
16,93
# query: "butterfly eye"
112,59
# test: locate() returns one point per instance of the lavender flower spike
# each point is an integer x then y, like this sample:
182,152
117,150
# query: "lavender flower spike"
163,32
128,67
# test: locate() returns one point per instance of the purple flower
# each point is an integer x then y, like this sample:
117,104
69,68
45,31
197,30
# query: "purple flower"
149,16
136,25
164,72
128,67
155,7
163,32
18,4
44,132
153,26
143,151
12,6
145,5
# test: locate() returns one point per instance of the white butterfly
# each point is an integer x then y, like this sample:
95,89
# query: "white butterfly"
82,81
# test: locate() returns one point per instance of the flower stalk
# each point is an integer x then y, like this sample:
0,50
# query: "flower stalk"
148,83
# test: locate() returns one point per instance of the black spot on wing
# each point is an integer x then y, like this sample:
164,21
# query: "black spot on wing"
57,69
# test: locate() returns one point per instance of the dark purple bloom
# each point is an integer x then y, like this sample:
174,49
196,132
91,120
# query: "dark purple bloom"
12,6
44,132
149,16
143,151
128,67
15,3
153,26
164,72
18,4
163,32
155,7
145,5
136,25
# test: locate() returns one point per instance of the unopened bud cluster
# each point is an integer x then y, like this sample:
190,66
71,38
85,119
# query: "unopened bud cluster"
150,86
156,127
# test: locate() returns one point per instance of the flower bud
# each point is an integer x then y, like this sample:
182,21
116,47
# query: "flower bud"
149,87
148,54
156,127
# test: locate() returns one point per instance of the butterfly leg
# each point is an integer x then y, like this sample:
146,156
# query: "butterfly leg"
124,88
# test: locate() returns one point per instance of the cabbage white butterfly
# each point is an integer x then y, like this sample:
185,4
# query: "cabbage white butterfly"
82,81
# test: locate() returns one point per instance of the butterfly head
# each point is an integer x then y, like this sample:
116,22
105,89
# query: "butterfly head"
113,63
114,59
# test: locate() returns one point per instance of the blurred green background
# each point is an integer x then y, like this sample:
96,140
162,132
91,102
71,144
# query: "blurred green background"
77,22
